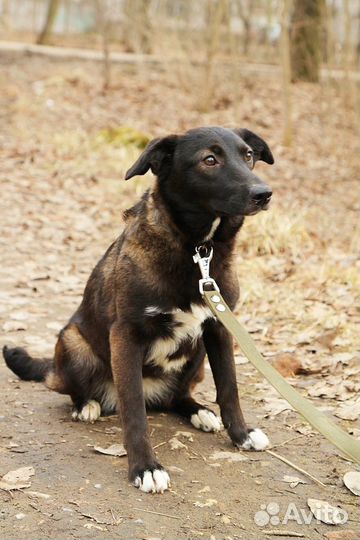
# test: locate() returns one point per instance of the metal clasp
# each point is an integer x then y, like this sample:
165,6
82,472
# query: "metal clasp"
204,265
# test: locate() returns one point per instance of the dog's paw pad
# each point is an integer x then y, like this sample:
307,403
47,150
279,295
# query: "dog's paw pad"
90,412
256,440
206,420
156,481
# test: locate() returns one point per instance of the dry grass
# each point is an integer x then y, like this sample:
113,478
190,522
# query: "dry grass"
295,286
277,231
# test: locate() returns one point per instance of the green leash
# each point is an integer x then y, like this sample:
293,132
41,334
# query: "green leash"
348,446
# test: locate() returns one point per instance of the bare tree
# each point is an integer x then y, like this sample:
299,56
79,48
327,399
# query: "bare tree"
137,29
5,15
306,40
53,8
286,72
245,11
215,15
103,28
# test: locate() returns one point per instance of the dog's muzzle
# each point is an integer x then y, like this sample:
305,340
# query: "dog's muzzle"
260,196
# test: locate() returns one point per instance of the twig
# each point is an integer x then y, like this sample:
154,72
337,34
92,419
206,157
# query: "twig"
288,440
160,444
94,518
157,513
197,454
295,467
116,520
284,533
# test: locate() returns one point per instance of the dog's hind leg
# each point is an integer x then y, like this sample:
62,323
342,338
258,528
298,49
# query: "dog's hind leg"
200,416
89,412
77,372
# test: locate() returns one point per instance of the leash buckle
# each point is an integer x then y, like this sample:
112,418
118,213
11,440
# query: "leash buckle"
204,264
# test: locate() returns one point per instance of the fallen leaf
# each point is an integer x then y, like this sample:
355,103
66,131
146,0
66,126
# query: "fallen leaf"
19,316
325,512
93,526
330,388
229,456
208,502
54,325
22,474
274,405
239,360
305,338
38,495
343,357
352,481
186,434
326,339
117,450
293,480
113,430
288,365
14,326
17,479
175,444
205,489
304,430
349,411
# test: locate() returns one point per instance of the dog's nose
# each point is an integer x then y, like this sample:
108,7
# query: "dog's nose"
261,194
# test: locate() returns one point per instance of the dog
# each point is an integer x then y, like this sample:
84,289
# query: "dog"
141,333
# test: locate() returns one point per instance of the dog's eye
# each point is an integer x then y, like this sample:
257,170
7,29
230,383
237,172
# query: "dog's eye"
210,161
249,155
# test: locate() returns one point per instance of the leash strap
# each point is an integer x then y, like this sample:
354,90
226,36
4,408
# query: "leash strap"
348,446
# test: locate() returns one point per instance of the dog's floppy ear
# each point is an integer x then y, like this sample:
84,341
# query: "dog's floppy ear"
157,154
261,150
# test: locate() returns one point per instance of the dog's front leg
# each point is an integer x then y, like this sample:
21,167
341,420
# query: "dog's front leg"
219,348
126,362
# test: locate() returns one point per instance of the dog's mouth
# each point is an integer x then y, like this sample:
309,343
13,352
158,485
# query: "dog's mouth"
236,207
258,205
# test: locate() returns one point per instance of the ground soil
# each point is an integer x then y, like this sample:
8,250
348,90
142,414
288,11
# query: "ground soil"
61,205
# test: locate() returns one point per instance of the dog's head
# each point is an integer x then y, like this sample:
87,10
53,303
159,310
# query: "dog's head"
210,168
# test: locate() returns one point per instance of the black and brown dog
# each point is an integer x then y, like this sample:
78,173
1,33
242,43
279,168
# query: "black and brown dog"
141,333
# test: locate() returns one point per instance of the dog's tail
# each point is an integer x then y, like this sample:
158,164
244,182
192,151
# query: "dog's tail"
26,367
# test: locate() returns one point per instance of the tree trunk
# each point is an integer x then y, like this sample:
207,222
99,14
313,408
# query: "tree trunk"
49,22
286,74
137,28
215,13
5,16
102,27
306,40
246,14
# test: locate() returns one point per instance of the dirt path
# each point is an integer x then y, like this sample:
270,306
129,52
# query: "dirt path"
58,214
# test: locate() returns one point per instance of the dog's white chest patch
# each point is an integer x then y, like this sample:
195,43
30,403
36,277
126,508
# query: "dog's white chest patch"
185,325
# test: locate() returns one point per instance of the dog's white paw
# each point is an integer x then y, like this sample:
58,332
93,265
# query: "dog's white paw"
206,420
90,412
156,481
256,440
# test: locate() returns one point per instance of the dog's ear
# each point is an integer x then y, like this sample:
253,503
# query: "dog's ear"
261,150
156,155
